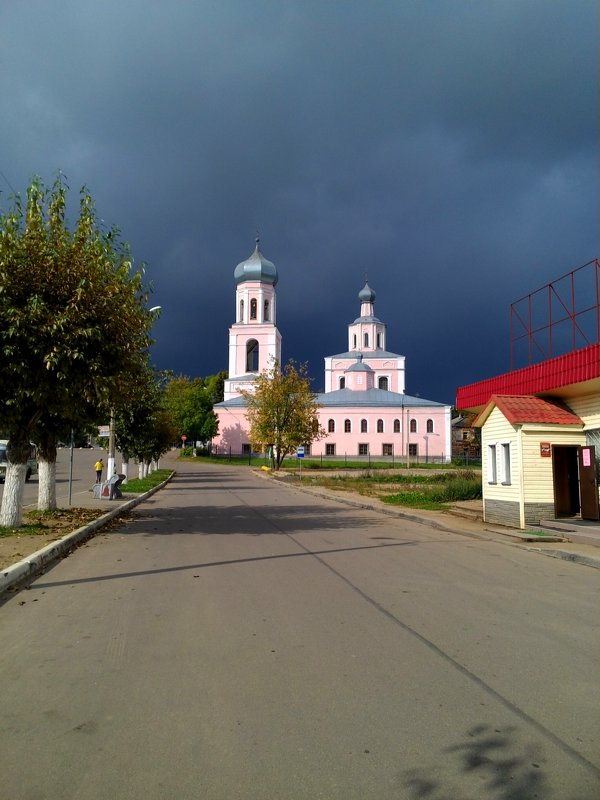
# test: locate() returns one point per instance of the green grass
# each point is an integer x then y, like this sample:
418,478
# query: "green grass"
28,529
430,492
414,499
137,485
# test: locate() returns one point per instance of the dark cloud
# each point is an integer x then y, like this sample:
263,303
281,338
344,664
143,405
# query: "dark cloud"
446,149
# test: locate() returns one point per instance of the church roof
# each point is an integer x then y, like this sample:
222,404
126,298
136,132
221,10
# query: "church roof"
256,268
359,365
235,402
370,354
369,398
374,398
366,294
367,319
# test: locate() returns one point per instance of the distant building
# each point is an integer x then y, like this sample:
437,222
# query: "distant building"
364,409
466,440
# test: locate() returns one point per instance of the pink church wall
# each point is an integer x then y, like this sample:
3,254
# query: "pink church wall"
233,431
390,368
233,434
432,445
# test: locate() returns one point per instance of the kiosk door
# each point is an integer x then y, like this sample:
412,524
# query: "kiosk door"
588,488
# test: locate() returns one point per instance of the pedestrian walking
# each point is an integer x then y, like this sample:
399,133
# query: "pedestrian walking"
99,466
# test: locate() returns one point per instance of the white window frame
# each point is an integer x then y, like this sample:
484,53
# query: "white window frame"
492,465
504,465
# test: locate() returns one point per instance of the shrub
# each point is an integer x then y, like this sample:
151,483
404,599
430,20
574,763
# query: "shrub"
457,489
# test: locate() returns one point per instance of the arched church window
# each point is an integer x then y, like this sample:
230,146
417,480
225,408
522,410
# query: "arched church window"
429,426
354,342
347,426
413,426
267,311
241,310
363,426
383,383
396,426
331,426
253,308
379,426
251,355
378,341
366,339
342,383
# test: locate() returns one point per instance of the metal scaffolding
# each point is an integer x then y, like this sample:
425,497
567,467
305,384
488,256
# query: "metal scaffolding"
557,318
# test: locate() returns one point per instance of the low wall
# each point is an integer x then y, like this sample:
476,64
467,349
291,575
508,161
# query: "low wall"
502,512
534,512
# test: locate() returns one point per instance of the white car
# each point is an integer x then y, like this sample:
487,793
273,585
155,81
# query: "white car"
32,465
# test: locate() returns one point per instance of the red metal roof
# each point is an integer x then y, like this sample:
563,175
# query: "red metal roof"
575,367
525,408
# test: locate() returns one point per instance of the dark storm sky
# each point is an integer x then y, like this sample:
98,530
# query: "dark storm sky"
445,148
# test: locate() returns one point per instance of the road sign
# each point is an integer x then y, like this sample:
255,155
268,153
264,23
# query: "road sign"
300,452
183,438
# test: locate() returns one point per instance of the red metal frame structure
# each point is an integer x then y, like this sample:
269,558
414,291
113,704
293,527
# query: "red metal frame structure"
576,295
546,378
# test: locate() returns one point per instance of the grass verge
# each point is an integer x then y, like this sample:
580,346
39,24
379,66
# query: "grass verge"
429,492
59,521
140,485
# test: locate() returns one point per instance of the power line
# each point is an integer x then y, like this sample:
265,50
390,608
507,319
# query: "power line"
10,186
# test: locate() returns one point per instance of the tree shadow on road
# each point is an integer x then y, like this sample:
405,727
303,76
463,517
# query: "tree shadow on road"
206,520
493,763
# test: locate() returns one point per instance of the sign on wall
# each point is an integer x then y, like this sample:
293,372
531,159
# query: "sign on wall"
545,449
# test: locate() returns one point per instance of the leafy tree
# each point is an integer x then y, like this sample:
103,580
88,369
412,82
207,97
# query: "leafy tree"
216,386
189,403
143,428
282,411
74,327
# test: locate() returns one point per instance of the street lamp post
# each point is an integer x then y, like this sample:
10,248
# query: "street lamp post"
110,466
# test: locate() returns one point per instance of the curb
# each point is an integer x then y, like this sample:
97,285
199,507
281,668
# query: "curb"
567,555
517,540
27,569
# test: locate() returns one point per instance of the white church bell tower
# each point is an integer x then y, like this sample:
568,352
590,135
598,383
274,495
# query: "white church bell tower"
254,341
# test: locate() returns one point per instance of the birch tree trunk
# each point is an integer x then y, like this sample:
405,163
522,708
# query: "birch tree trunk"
12,497
46,485
125,466
47,471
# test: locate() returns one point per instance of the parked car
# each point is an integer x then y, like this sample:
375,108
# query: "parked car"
32,464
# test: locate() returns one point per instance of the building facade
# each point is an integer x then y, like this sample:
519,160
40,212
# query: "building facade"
540,439
364,409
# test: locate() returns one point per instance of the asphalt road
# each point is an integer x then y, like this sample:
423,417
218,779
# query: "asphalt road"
83,476
239,639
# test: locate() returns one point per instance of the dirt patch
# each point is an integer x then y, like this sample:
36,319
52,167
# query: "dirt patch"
38,530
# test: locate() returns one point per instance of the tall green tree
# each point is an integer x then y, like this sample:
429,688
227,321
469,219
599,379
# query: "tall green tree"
143,428
74,326
189,403
282,411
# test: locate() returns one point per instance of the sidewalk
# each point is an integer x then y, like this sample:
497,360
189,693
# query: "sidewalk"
22,571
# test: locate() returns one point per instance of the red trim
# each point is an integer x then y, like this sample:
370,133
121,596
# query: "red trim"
576,367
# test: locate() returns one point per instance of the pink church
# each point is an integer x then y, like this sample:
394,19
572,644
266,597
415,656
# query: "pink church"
364,409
